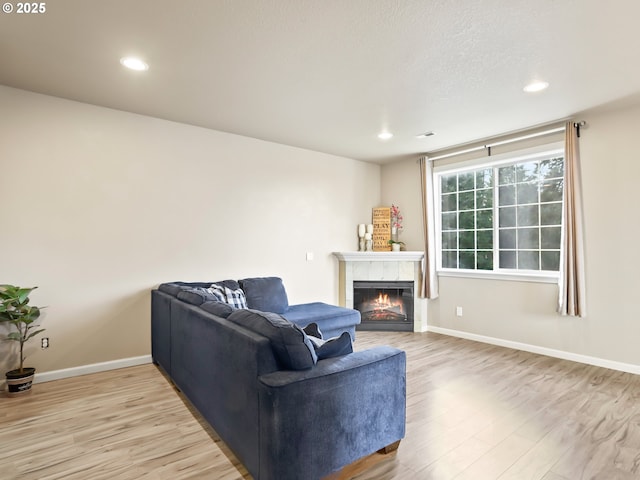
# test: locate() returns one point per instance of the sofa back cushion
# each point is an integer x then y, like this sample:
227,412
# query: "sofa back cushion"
266,294
197,295
227,291
217,308
174,288
170,289
291,346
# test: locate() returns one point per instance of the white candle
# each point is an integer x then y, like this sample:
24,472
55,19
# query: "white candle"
361,230
370,228
367,236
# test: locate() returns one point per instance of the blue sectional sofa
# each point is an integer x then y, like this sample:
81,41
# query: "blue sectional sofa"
288,404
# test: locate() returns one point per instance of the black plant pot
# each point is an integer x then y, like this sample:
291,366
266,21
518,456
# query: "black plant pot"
19,383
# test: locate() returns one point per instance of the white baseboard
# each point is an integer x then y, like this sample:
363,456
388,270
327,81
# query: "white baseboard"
92,368
550,352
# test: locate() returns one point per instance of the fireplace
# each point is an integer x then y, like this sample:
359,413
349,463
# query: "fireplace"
389,268
384,305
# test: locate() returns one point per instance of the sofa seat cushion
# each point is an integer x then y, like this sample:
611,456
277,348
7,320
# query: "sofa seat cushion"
291,346
329,317
266,294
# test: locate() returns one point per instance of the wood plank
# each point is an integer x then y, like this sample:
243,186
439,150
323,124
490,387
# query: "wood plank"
473,411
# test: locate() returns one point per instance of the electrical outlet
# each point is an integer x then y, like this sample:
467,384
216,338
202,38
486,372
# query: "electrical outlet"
458,311
45,342
310,256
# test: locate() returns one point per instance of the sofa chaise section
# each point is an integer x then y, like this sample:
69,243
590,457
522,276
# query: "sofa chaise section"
333,320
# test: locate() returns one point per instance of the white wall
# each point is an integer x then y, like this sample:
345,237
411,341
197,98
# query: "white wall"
400,185
525,312
99,206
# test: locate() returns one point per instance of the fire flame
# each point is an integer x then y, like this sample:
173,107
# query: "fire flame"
384,302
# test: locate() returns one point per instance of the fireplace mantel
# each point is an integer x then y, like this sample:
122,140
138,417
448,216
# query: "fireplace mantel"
379,256
381,266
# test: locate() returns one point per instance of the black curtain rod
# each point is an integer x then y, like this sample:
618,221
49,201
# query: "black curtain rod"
488,146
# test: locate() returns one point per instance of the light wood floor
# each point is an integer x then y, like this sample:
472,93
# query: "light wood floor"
474,411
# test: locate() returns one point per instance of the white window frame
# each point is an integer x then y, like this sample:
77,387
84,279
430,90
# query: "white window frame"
529,154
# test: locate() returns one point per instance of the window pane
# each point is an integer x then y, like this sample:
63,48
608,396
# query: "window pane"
465,181
550,261
449,183
485,219
527,193
449,240
449,202
468,260
484,198
551,214
506,175
528,216
552,168
485,239
508,259
484,178
467,220
551,191
485,260
449,221
528,261
528,238
467,240
466,200
507,195
550,237
507,238
527,172
449,259
507,217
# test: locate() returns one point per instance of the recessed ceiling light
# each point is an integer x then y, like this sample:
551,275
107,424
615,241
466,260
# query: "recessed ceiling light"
536,87
134,64
425,134
385,135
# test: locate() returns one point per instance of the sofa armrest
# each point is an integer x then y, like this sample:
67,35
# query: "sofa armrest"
315,422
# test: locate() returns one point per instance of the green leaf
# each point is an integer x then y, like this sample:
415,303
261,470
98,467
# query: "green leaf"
14,336
33,334
23,294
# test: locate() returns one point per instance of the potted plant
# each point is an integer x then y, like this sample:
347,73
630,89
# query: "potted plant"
396,245
396,222
16,311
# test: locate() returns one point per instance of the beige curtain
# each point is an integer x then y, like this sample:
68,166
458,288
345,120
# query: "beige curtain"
572,299
429,283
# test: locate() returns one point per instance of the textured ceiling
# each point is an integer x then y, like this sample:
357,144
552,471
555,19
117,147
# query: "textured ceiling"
329,75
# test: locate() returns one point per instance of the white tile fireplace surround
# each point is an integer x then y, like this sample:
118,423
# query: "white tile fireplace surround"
382,266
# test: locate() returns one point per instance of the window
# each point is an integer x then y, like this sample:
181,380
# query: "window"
502,217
